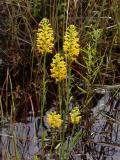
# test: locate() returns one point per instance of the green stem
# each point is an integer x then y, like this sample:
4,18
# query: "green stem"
60,108
68,93
60,97
53,141
43,89
68,86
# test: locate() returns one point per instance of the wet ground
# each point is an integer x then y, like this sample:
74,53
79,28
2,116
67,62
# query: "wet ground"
103,142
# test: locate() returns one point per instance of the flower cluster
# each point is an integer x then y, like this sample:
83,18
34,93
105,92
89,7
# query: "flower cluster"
54,120
58,68
75,115
44,41
71,43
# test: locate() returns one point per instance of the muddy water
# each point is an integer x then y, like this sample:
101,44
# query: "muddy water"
103,142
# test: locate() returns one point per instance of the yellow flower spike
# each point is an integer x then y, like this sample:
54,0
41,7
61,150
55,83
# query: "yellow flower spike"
54,120
44,40
58,68
75,115
71,43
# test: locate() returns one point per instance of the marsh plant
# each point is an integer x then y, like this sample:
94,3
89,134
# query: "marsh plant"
44,44
60,72
92,63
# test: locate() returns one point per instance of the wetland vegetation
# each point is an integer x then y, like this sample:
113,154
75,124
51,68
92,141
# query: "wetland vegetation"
60,79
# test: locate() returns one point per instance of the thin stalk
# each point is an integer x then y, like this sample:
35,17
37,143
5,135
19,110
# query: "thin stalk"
31,75
73,130
17,155
1,108
68,87
33,120
53,141
13,104
43,88
60,97
68,92
68,6
60,108
7,92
